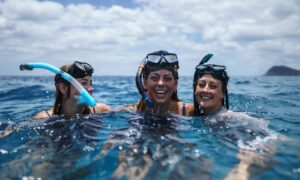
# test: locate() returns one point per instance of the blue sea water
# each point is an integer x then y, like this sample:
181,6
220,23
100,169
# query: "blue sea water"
120,144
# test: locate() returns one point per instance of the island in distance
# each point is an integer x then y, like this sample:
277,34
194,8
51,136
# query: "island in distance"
282,71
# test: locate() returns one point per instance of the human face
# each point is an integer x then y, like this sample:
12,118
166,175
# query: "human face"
160,86
209,94
86,82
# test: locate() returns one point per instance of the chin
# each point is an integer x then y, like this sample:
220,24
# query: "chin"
204,105
160,101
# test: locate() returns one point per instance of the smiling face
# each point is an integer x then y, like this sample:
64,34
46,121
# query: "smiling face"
209,94
160,86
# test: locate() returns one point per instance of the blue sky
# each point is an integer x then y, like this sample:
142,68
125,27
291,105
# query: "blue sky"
114,36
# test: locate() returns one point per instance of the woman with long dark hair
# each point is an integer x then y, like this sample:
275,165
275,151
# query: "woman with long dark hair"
66,98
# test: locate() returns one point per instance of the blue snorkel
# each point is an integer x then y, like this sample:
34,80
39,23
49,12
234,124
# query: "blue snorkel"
140,87
84,98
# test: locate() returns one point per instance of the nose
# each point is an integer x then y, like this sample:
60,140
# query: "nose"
160,82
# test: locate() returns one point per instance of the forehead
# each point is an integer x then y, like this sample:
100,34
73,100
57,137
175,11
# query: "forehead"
210,78
162,72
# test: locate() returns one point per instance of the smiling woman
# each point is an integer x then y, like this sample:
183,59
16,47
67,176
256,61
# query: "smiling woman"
157,81
212,103
210,88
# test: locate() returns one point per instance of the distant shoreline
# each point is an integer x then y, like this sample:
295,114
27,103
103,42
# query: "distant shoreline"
282,71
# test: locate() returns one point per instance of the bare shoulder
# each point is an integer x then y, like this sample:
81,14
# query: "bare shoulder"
245,118
128,107
101,107
43,114
189,109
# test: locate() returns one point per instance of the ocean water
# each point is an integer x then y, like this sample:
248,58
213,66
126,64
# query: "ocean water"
125,145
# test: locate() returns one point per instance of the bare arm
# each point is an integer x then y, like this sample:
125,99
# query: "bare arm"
101,107
43,114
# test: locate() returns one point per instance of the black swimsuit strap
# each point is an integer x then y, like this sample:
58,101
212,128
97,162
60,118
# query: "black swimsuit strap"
48,113
94,110
183,109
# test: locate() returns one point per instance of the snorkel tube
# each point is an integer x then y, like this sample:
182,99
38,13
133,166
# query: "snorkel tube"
140,87
84,98
204,60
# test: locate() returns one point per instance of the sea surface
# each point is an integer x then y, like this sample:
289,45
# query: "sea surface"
127,145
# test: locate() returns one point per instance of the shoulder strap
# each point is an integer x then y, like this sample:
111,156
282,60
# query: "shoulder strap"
47,113
94,110
183,109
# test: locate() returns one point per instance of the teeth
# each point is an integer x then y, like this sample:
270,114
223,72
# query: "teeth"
160,92
205,96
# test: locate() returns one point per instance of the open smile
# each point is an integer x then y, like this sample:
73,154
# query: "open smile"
205,96
160,93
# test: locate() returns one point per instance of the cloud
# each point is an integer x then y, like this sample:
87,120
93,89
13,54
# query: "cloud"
240,33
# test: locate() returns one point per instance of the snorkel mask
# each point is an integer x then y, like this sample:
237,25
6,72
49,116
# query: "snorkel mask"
217,71
80,69
152,62
161,59
77,70
85,97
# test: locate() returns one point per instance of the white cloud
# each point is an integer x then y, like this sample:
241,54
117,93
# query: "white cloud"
240,33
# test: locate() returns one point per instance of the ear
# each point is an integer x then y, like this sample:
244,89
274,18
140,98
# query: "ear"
62,88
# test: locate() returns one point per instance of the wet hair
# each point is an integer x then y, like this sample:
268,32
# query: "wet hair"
59,97
223,77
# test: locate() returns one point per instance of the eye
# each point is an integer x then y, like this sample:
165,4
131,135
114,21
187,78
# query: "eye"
202,84
154,78
168,78
213,86
84,83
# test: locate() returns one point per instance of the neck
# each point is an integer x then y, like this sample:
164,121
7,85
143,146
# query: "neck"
161,109
70,109
210,111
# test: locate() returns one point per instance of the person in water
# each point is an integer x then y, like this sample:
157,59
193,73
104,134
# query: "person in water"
157,81
212,103
66,99
210,88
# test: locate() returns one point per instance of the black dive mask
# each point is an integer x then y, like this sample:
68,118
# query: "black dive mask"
80,69
161,58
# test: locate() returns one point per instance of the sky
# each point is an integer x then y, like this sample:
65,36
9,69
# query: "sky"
247,36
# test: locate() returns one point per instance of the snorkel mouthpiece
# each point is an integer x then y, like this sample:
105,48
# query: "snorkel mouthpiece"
25,67
84,98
